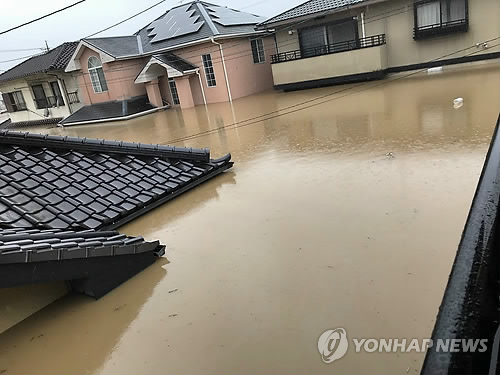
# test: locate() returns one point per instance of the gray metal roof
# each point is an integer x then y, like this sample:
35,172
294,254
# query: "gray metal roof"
55,59
311,7
175,62
116,46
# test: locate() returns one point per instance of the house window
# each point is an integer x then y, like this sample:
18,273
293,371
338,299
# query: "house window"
14,101
436,17
40,98
209,70
57,99
334,37
173,91
258,51
97,75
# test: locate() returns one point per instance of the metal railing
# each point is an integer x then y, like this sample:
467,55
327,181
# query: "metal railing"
349,45
49,102
73,97
421,32
470,309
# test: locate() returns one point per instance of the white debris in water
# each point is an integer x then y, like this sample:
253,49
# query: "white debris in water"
458,102
439,69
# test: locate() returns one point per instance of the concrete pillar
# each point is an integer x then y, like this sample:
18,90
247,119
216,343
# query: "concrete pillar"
154,95
185,92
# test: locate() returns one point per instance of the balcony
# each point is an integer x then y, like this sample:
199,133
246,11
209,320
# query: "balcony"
344,62
442,28
73,97
349,45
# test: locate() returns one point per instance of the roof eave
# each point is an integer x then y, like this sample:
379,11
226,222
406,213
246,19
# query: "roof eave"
271,25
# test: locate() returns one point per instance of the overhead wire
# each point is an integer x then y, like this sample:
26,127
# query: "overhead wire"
313,102
40,18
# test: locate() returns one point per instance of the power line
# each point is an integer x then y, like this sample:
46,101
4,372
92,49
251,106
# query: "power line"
126,19
42,17
22,49
374,18
293,108
20,58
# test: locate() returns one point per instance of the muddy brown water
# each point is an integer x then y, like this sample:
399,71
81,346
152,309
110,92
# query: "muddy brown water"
315,227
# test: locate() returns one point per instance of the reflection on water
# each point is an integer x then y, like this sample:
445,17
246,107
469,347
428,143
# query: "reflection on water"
314,228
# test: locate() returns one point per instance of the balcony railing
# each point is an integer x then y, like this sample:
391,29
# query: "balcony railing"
428,31
49,102
349,45
73,97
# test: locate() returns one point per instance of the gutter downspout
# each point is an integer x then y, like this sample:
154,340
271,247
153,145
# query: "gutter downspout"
224,67
201,85
363,32
62,86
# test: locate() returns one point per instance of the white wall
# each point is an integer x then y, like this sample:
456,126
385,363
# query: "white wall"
32,113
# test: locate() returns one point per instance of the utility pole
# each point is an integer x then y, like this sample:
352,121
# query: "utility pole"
46,47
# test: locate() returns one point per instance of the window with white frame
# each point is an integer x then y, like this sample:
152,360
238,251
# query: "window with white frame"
258,51
97,75
209,70
174,92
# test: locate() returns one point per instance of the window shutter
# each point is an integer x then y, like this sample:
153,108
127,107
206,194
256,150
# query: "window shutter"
7,103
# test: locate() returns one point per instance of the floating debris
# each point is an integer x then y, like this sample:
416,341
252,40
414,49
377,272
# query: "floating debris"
173,290
458,102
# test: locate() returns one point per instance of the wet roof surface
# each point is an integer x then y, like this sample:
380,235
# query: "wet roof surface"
175,62
51,182
108,110
309,8
35,245
55,59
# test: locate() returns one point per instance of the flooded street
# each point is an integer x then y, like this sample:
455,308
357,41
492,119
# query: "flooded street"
345,214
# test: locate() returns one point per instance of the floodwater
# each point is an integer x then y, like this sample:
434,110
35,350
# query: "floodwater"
346,214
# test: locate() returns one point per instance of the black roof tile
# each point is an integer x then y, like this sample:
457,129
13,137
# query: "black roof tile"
28,246
49,182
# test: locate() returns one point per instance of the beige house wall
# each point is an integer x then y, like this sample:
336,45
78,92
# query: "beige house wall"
32,113
246,77
395,18
335,65
484,21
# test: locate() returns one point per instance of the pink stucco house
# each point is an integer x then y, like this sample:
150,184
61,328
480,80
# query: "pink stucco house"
195,53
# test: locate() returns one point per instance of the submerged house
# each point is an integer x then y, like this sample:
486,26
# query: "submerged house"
195,53
39,91
325,42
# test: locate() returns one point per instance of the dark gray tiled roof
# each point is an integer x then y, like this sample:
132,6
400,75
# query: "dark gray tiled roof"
55,59
175,62
107,110
117,46
310,7
49,182
35,245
